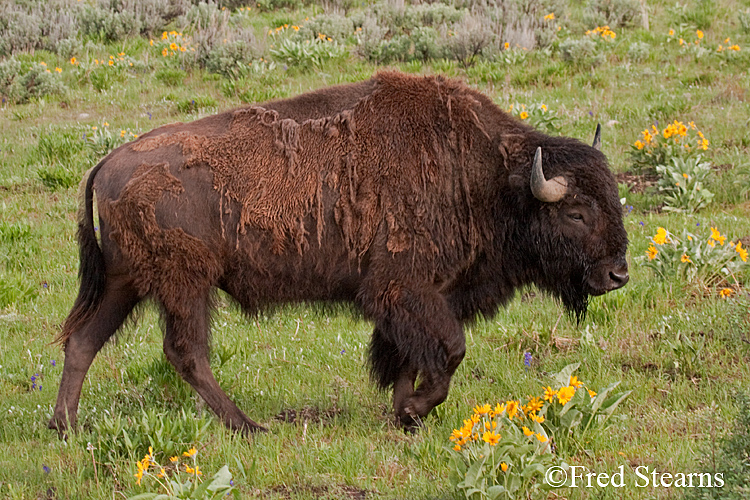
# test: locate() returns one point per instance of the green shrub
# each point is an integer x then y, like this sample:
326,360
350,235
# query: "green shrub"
683,181
659,147
504,452
639,51
306,55
231,59
23,82
336,27
614,13
706,261
581,52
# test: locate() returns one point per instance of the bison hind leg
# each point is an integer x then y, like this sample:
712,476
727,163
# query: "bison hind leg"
84,340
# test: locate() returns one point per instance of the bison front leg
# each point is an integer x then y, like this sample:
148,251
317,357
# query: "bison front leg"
186,347
416,335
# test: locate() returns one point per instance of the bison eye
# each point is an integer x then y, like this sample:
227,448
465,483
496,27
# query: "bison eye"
576,216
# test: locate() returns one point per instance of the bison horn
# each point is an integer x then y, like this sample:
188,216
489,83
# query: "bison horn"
548,191
598,138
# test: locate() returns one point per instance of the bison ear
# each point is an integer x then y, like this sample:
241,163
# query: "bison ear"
548,191
598,138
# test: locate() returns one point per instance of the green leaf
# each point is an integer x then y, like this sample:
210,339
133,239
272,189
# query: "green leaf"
530,470
495,492
563,377
602,396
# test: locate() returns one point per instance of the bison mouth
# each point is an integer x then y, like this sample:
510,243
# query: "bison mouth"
575,292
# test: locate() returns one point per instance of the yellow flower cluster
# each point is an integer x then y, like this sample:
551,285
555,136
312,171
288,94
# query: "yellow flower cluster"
603,31
740,250
677,131
144,464
482,426
148,461
173,43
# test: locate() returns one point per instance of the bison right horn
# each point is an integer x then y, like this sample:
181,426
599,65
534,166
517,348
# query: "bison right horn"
598,138
548,191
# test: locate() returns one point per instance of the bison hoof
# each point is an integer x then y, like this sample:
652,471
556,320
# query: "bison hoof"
410,423
60,426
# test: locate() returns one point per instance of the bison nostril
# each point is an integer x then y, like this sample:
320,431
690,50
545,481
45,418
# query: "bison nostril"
619,278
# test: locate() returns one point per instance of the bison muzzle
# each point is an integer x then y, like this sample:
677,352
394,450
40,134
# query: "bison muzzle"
414,198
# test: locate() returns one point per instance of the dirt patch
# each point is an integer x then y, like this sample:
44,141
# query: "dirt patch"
308,414
638,183
321,492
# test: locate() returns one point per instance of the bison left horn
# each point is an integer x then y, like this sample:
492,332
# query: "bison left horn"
598,138
548,191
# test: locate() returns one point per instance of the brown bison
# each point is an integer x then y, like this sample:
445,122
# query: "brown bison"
415,198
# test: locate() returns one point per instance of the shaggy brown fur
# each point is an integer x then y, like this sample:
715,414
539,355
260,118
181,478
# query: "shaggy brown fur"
407,196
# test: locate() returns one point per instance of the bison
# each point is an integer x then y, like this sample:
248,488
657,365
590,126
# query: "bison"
414,198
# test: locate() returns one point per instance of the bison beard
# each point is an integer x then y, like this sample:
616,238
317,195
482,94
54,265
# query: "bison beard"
414,198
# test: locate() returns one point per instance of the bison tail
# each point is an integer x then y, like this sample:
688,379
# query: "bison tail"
91,272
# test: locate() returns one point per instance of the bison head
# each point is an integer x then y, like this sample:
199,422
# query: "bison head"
573,242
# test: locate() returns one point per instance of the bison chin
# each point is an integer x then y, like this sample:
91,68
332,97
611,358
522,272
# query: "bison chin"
574,297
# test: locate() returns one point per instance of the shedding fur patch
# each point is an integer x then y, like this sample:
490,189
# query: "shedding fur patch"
168,263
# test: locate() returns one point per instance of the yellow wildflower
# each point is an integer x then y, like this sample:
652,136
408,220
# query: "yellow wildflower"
699,34
534,405
541,437
685,259
527,432
671,32
716,235
506,45
639,144
164,35
549,394
652,252
726,292
511,409
574,382
174,459
591,393
742,251
190,453
523,115
537,418
482,410
491,437
661,236
550,17
504,466
59,70
565,394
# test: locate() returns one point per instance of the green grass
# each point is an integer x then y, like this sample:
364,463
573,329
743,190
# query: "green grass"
311,363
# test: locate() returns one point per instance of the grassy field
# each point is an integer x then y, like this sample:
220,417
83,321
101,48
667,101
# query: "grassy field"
676,342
